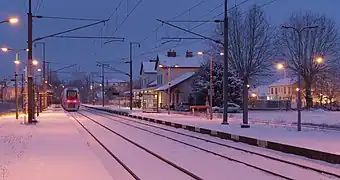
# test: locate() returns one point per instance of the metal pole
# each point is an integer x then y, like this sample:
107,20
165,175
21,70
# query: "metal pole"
299,83
225,69
16,96
22,90
29,63
16,87
169,95
211,87
103,94
44,95
131,76
37,94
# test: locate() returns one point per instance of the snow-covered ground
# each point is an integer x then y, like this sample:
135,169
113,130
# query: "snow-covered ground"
322,140
318,116
201,163
50,150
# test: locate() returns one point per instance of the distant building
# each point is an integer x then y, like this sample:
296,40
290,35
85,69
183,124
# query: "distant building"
283,89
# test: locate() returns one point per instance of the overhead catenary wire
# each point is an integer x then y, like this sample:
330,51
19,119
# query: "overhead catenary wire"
177,16
127,16
153,50
156,29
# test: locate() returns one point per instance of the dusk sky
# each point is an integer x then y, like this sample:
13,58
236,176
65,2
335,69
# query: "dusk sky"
138,27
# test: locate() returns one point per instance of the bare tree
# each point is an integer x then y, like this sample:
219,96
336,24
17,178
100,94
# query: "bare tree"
250,48
321,42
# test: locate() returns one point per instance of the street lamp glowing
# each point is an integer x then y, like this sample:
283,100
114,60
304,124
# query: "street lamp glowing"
16,62
13,20
297,89
200,53
319,60
35,62
39,70
253,95
279,66
4,49
222,53
248,86
27,49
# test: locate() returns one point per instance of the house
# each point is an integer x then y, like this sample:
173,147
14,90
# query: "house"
180,70
148,74
156,74
283,89
260,92
7,90
119,85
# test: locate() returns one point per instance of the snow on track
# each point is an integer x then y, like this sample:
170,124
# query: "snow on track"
143,164
283,168
205,165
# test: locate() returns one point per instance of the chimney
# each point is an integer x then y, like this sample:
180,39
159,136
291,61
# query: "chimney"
188,54
169,53
172,53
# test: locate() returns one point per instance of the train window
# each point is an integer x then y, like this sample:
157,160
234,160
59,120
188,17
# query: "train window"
71,94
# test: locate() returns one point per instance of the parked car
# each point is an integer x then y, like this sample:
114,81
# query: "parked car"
183,107
232,108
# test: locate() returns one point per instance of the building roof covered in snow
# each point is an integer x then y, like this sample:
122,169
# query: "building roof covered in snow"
284,82
176,81
115,81
184,61
262,90
153,83
148,67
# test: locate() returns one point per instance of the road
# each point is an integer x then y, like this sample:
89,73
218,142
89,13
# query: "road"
149,151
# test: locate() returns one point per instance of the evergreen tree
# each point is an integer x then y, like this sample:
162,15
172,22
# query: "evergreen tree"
201,85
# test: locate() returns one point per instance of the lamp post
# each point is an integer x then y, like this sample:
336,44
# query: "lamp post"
299,32
169,82
131,94
44,79
17,62
211,89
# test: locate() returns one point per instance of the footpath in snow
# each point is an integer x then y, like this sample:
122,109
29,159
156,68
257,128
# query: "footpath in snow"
320,140
53,149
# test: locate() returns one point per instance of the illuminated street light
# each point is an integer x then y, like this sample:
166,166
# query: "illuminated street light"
279,66
253,95
16,62
222,54
35,62
13,20
4,49
39,70
297,89
319,60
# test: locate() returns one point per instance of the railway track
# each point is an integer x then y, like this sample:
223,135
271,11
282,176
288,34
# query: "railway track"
293,164
133,174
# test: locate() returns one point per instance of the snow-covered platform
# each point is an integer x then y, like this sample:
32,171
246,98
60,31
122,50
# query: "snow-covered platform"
312,143
51,149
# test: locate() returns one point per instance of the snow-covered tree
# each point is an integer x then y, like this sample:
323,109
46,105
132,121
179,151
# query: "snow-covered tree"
201,85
